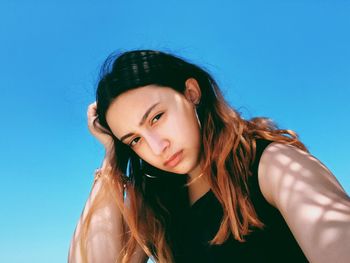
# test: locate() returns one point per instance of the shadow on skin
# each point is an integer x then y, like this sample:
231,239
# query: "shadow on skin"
102,240
313,203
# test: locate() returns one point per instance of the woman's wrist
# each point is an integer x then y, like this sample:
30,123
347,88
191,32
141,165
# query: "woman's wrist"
104,169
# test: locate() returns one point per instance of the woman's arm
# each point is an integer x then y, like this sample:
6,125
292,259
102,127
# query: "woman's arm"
103,240
314,205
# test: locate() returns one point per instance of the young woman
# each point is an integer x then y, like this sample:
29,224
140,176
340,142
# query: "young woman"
187,179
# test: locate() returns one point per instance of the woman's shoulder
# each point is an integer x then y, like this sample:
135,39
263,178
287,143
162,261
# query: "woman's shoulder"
309,197
282,167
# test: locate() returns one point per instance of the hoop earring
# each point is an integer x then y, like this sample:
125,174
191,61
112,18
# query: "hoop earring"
143,170
150,176
195,111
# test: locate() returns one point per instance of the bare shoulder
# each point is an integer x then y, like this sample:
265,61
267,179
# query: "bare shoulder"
311,200
285,169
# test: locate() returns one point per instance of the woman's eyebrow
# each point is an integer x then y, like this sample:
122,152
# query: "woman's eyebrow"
144,118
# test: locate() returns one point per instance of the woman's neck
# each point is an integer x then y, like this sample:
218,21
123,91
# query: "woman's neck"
197,187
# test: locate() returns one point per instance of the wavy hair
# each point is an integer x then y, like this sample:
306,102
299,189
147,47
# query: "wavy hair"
228,147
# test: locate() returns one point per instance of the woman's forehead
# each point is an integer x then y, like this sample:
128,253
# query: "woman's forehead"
140,98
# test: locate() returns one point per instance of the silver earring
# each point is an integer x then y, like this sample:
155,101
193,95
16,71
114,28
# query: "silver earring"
199,123
150,176
143,169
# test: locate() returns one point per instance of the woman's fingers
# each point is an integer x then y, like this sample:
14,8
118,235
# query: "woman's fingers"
96,129
91,112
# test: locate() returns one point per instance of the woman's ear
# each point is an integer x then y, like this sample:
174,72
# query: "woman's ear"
193,92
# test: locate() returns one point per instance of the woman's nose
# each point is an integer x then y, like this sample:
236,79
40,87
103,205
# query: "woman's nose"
157,143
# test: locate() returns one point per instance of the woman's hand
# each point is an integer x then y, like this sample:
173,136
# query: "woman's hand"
95,128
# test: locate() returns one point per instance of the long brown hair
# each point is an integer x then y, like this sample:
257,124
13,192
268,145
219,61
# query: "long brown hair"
228,147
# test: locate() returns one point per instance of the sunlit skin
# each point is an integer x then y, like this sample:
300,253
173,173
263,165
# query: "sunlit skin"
171,125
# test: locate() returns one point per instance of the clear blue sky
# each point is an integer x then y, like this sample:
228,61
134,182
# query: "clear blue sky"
289,60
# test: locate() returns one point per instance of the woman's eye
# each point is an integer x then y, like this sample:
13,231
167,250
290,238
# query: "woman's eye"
131,144
157,117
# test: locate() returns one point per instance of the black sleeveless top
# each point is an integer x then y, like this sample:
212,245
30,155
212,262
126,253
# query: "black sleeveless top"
191,229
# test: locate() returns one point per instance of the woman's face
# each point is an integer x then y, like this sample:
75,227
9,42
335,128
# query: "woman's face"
160,125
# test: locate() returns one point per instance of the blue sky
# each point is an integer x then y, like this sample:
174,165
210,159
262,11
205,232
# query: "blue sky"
288,60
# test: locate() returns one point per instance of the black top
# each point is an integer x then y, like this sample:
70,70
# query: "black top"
193,228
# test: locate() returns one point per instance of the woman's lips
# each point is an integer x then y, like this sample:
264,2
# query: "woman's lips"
174,160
